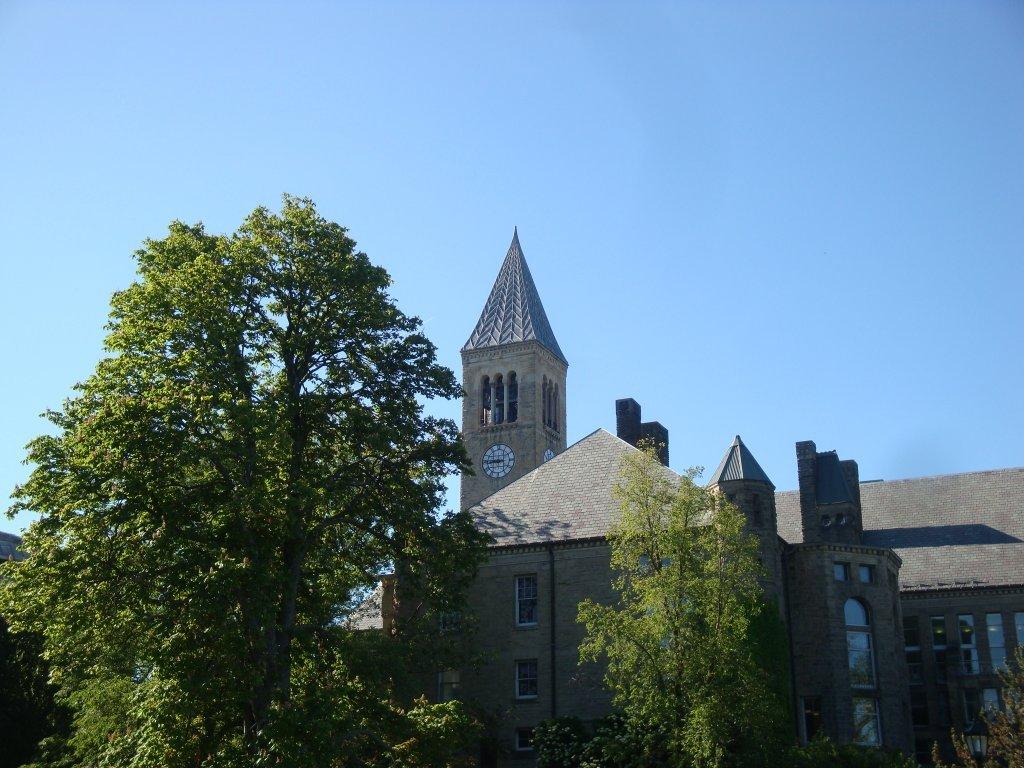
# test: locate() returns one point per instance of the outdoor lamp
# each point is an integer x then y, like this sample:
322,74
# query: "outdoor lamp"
977,738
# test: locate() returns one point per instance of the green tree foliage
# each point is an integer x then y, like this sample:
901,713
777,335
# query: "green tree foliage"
28,710
565,742
679,643
823,753
247,460
1004,728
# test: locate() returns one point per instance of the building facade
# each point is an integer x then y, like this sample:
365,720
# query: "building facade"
901,599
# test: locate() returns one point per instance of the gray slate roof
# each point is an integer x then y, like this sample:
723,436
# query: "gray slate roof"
830,482
513,311
567,497
739,464
9,544
949,530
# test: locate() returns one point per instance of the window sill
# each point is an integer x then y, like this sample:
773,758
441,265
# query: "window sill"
526,698
534,625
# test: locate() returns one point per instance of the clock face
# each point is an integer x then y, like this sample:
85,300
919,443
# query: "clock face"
498,460
549,454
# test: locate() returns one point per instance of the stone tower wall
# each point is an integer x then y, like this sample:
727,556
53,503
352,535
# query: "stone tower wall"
528,437
818,634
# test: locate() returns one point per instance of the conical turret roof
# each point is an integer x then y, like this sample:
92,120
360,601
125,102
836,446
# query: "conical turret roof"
513,311
739,464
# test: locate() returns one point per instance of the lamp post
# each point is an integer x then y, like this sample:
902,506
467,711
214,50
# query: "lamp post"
977,738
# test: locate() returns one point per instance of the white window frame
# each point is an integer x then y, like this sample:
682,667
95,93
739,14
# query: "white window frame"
996,640
520,678
523,579
520,732
968,651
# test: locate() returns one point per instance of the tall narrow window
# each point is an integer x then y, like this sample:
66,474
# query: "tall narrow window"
939,645
554,410
526,600
812,717
866,729
485,401
968,644
499,399
912,644
513,397
919,708
524,740
755,509
996,640
526,679
858,645
544,401
972,705
1018,623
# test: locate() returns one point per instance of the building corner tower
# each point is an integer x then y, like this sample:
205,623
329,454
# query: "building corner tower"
513,378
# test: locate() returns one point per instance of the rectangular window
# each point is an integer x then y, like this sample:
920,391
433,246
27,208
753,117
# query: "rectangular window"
996,640
912,644
867,731
755,508
448,685
968,648
1018,623
526,600
990,699
866,573
919,708
811,706
526,679
841,571
524,739
862,663
939,645
972,705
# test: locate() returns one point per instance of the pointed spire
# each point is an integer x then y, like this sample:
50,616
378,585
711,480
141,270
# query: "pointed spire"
739,464
513,311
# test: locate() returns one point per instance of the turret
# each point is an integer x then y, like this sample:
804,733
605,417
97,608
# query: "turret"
742,481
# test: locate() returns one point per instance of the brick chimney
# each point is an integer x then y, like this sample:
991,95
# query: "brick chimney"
629,428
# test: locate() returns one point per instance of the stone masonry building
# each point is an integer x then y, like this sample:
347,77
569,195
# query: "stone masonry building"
902,599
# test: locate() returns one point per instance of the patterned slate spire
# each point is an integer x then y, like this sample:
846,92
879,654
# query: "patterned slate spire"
739,464
513,311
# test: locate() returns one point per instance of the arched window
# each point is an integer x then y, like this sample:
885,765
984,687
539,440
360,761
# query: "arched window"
554,410
499,399
485,401
858,644
513,397
544,402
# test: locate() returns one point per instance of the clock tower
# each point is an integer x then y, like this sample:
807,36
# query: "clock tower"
513,376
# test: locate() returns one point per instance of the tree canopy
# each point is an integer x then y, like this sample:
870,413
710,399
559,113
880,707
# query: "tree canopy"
248,459
679,644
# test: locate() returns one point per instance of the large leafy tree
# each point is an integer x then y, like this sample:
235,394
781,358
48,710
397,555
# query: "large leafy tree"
679,643
247,460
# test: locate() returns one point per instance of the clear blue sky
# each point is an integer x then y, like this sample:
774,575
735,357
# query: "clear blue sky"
788,221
